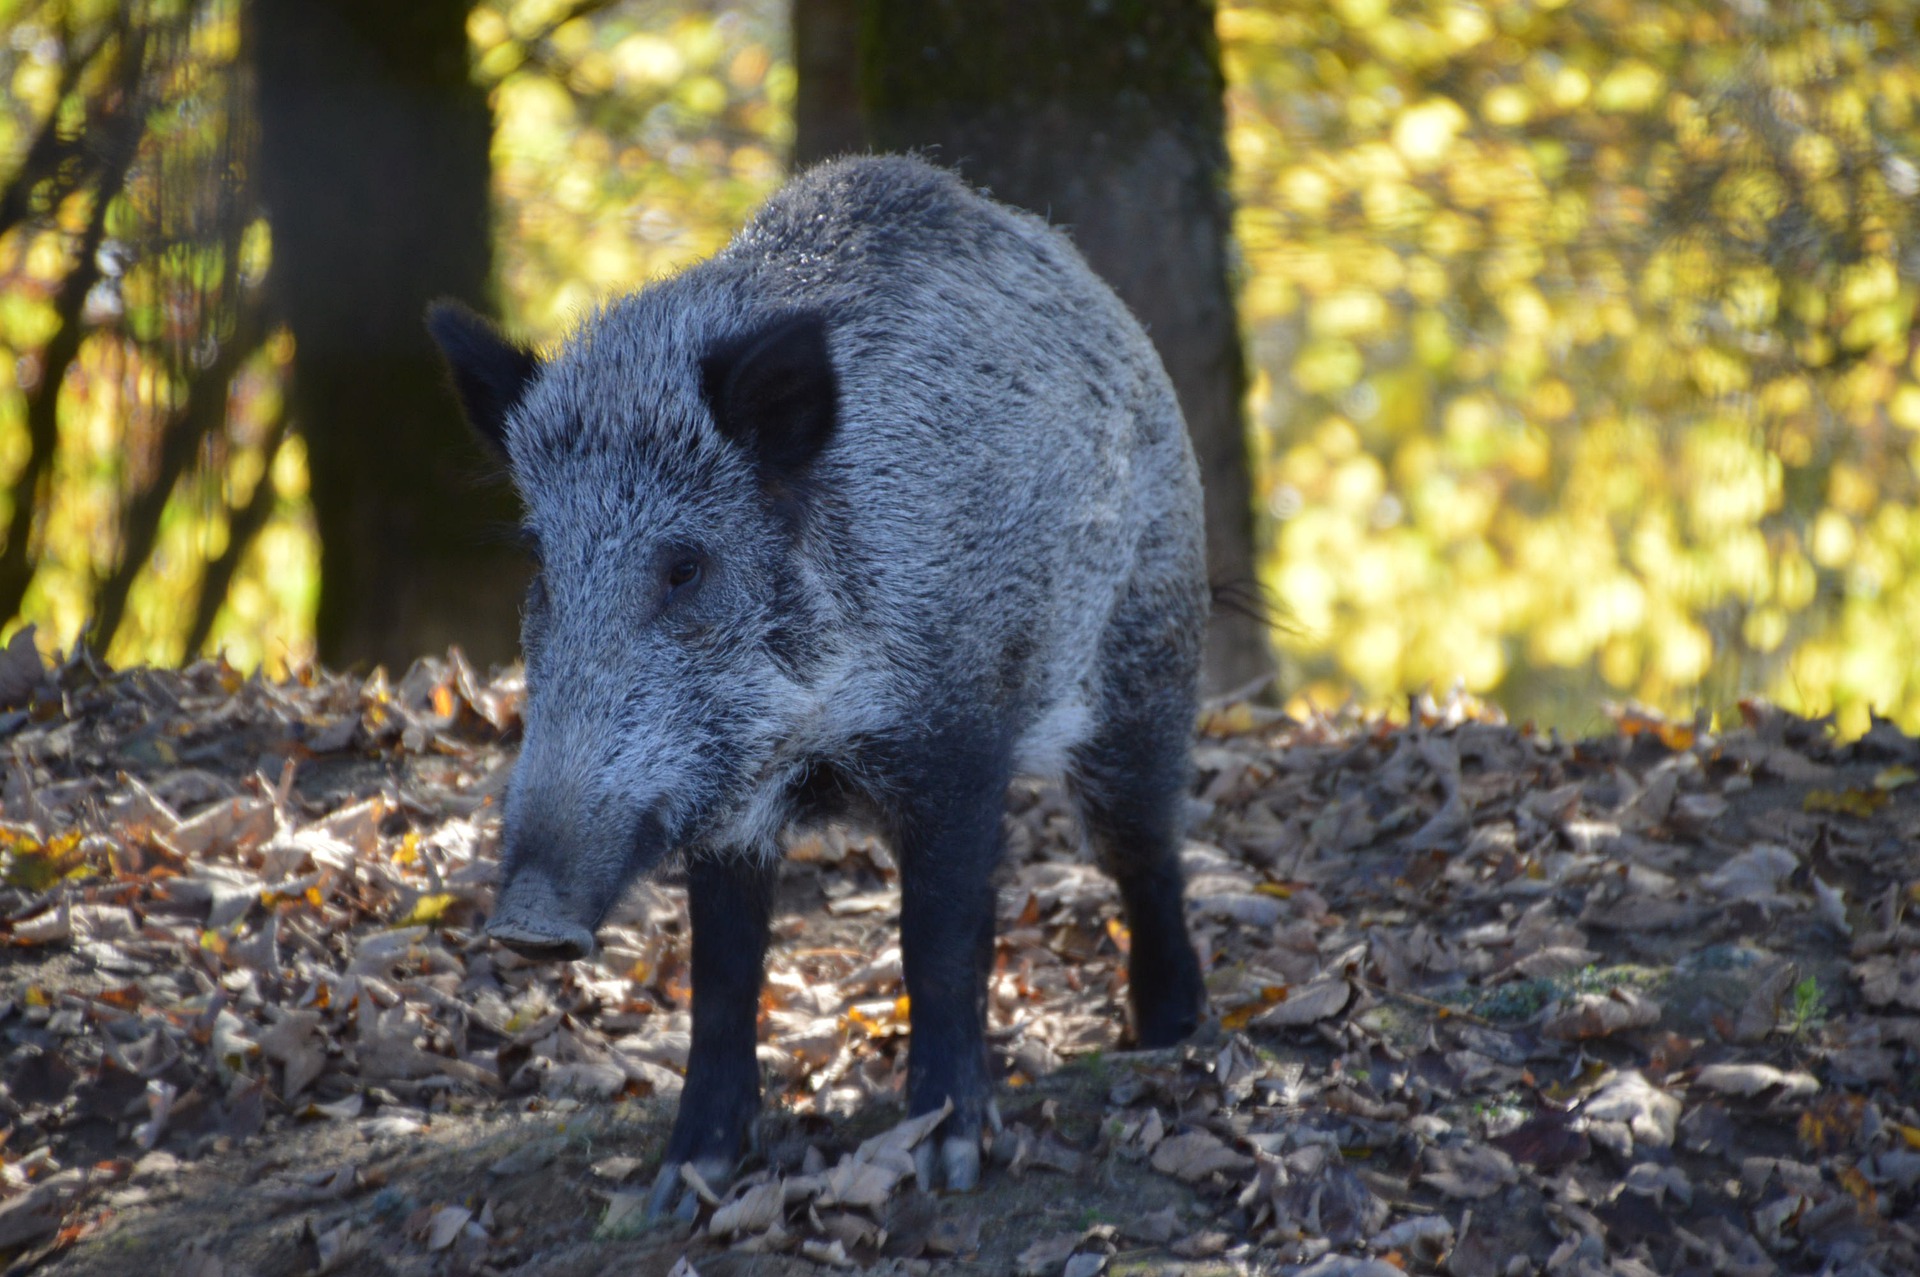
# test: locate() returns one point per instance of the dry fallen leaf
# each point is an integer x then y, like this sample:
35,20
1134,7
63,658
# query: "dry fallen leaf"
1045,1257
31,1216
1887,980
616,1169
754,1211
1196,1155
1755,875
1324,998
1084,1264
1646,1110
1468,1171
1429,1237
1595,1015
446,1225
1202,1245
333,1247
1752,1079
1155,1228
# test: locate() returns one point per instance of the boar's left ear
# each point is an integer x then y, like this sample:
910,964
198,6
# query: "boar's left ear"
773,392
490,373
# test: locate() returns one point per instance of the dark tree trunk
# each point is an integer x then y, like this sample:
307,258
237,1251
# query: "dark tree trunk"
826,56
374,168
1108,119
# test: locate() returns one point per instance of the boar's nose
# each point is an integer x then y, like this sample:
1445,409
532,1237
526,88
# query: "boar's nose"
559,945
531,921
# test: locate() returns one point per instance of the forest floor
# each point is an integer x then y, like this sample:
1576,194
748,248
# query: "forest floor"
1488,1002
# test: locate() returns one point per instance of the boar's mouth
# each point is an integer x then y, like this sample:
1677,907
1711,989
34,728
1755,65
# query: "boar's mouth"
531,921
560,945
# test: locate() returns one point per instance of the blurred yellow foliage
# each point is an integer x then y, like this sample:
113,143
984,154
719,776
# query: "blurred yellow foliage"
160,270
628,146
1583,347
1581,343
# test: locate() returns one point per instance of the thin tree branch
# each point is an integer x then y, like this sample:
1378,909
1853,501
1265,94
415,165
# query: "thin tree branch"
124,126
49,151
43,401
580,9
202,413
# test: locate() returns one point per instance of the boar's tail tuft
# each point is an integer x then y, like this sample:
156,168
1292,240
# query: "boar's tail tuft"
1247,597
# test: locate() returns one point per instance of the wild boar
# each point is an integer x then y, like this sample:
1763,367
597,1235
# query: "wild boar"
888,502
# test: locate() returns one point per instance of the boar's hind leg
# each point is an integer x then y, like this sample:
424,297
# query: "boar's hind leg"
947,833
1130,784
730,900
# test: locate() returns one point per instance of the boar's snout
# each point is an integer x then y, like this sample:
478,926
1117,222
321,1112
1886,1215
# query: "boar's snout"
551,900
530,920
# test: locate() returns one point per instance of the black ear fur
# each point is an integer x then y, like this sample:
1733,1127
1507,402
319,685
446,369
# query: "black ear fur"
490,373
774,393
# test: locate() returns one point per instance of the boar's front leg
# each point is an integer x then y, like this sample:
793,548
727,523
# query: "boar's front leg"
729,899
947,832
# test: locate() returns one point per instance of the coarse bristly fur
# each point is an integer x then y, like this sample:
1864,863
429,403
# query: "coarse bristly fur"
933,517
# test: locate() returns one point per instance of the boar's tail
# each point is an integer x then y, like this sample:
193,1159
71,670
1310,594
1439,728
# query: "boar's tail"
1246,597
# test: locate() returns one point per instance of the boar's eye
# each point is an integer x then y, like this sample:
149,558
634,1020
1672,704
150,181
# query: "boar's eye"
680,575
679,571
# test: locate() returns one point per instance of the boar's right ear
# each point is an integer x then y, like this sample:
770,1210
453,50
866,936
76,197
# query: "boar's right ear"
490,373
773,392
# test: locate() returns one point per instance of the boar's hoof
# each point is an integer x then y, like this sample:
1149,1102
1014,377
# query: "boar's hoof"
539,938
674,1198
956,1158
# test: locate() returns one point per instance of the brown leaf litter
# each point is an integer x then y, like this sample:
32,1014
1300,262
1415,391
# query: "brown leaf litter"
1489,1001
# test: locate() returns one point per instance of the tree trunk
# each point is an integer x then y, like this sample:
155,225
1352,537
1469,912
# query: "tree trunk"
374,169
826,104
1107,119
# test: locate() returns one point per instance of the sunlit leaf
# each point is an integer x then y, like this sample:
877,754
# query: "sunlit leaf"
1859,803
427,910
